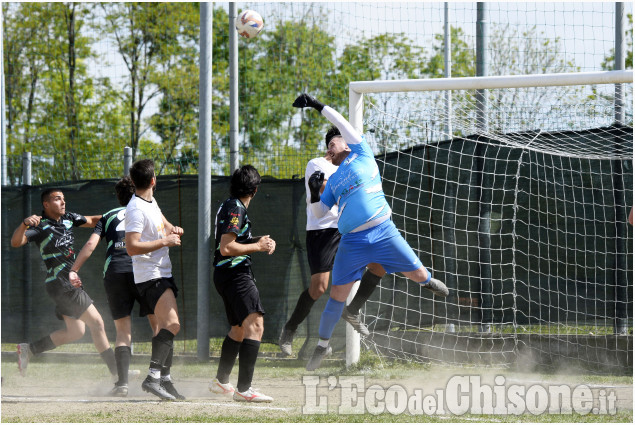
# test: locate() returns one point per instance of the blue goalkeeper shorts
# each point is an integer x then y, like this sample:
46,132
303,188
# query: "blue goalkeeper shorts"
382,244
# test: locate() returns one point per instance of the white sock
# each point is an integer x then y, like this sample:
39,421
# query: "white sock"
155,373
165,377
323,343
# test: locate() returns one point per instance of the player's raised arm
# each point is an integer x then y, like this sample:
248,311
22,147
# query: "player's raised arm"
349,133
18,238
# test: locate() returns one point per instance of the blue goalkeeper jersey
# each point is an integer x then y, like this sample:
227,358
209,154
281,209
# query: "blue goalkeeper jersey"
356,188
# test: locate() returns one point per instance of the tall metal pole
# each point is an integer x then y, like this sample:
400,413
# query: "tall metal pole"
27,288
204,182
619,61
483,190
447,52
4,178
233,90
127,160
481,65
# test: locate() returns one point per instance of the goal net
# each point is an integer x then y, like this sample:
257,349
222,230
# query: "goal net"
514,191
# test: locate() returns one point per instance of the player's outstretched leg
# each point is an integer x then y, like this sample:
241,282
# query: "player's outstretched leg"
318,355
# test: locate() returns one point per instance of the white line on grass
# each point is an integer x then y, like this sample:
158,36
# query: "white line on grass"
25,399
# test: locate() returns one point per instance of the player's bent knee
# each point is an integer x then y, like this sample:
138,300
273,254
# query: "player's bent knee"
174,327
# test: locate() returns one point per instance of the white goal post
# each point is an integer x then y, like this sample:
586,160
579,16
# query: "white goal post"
357,89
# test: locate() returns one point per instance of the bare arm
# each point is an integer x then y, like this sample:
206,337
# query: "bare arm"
230,248
86,252
91,220
19,235
83,255
169,228
134,246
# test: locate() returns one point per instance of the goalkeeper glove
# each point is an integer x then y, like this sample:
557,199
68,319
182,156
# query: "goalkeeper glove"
315,184
305,100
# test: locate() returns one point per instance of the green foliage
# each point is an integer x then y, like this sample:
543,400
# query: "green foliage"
609,61
76,124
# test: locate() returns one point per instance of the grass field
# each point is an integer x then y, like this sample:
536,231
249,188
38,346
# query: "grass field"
74,391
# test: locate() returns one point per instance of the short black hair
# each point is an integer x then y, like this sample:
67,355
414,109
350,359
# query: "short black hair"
141,173
333,132
124,189
47,193
244,182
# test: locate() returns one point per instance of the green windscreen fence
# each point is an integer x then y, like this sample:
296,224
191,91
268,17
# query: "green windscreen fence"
520,236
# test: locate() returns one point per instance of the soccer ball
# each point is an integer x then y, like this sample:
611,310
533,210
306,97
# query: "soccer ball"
249,24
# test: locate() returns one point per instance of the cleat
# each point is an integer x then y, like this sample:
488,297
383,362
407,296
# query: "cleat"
24,354
437,287
286,341
355,321
152,385
217,388
119,391
318,356
169,387
252,396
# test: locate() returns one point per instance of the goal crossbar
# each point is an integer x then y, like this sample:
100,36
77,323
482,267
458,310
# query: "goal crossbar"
497,82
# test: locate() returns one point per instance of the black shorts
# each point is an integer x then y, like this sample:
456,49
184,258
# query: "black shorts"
237,288
321,247
150,291
121,293
69,301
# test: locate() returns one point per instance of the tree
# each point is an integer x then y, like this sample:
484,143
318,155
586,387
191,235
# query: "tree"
137,31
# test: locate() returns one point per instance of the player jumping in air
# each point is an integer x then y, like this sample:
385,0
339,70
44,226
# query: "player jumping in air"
368,233
53,234
322,239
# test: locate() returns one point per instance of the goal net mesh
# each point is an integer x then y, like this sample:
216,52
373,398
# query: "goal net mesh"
522,214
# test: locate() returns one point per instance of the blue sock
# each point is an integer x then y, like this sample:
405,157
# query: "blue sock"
330,316
428,279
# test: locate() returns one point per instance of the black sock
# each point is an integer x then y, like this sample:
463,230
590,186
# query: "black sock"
109,357
301,311
165,370
161,346
366,287
246,363
228,354
122,356
42,345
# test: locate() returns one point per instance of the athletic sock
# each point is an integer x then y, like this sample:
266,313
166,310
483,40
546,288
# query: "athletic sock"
42,345
229,352
323,343
122,357
165,370
108,355
366,287
161,346
246,363
330,316
301,311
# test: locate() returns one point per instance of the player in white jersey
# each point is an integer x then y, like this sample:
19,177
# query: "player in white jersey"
368,233
148,238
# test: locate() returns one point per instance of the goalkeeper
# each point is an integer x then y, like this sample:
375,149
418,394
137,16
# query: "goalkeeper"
368,233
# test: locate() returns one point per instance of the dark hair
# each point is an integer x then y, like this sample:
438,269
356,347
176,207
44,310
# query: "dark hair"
47,193
333,132
124,189
244,182
141,173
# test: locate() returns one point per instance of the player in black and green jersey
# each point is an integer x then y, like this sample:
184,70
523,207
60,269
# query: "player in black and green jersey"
53,234
236,285
119,283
